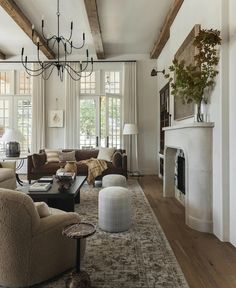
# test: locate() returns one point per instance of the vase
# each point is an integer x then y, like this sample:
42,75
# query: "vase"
199,116
71,167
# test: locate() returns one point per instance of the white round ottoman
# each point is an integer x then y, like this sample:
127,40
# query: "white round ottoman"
114,180
114,209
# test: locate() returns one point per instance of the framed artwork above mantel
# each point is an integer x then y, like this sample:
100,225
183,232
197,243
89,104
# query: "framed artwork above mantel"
186,52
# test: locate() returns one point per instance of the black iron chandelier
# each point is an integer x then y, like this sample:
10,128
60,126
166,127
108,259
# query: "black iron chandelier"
67,46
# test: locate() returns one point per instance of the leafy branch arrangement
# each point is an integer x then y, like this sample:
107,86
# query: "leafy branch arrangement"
194,80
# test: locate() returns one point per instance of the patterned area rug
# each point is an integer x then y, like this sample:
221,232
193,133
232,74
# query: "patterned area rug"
141,257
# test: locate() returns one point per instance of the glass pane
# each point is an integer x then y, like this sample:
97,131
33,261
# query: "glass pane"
4,83
87,123
25,83
87,83
24,120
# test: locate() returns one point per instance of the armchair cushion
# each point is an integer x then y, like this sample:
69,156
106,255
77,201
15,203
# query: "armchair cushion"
43,209
9,164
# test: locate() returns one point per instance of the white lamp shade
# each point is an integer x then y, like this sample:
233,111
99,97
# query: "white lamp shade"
130,129
12,135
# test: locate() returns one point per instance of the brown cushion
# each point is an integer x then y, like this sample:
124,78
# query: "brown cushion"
84,154
39,159
67,156
117,159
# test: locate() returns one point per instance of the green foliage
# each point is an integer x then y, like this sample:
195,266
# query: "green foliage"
191,81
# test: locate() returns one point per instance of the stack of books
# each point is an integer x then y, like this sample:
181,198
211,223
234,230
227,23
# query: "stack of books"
46,179
39,186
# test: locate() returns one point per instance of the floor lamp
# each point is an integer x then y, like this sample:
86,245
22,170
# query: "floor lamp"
130,129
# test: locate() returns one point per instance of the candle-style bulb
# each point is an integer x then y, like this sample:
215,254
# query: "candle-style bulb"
22,51
92,60
83,36
80,64
32,26
26,59
71,25
37,40
87,53
71,44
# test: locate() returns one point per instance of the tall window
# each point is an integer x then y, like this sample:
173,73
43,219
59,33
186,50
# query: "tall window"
100,113
16,105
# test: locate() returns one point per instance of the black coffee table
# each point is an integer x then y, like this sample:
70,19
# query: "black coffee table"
64,200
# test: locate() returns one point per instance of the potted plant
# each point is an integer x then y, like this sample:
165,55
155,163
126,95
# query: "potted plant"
194,82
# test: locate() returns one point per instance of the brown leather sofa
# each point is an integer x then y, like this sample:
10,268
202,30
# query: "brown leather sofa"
38,169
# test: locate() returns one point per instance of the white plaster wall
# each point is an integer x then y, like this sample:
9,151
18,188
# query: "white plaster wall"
210,15
147,117
232,102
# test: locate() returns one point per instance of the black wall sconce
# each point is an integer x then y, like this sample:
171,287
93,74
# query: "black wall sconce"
154,72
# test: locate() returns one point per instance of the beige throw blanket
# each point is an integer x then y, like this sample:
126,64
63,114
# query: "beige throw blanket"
95,168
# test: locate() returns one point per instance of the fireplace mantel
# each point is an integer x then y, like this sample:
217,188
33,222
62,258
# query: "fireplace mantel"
195,139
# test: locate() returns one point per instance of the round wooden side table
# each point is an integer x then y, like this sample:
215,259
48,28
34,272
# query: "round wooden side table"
79,231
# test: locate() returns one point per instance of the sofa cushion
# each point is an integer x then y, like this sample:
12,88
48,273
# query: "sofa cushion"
39,159
84,154
67,156
106,153
52,155
43,209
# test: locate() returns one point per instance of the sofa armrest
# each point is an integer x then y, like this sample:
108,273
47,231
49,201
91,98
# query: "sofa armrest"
124,164
57,221
9,164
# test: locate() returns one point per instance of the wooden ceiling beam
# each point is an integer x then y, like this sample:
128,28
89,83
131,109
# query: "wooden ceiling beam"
92,12
24,23
2,55
165,30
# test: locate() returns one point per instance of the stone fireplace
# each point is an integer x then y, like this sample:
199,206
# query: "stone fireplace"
195,140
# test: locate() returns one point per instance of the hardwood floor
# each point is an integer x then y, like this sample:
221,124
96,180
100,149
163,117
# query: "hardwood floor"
206,261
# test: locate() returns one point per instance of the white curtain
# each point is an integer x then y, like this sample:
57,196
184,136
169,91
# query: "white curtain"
71,111
130,113
38,113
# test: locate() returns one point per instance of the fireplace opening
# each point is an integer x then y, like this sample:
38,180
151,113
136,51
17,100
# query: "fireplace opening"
181,173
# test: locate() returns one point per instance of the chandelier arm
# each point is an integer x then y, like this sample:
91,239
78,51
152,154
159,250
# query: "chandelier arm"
55,40
68,71
50,73
45,38
24,63
80,47
76,72
37,71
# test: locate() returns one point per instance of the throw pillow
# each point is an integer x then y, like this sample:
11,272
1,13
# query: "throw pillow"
52,155
39,159
67,156
106,153
43,209
117,159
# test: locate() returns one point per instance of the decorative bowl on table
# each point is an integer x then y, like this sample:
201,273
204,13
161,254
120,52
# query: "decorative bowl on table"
64,180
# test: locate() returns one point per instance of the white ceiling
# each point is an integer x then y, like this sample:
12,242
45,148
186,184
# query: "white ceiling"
128,26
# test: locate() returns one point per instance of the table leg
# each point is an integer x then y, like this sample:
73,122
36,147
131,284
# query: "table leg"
78,278
18,180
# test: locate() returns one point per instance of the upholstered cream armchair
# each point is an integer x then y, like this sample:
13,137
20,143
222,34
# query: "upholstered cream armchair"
8,174
32,249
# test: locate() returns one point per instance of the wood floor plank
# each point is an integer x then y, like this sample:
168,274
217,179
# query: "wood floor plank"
206,261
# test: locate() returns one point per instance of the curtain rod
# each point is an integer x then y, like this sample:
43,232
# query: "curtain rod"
72,61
